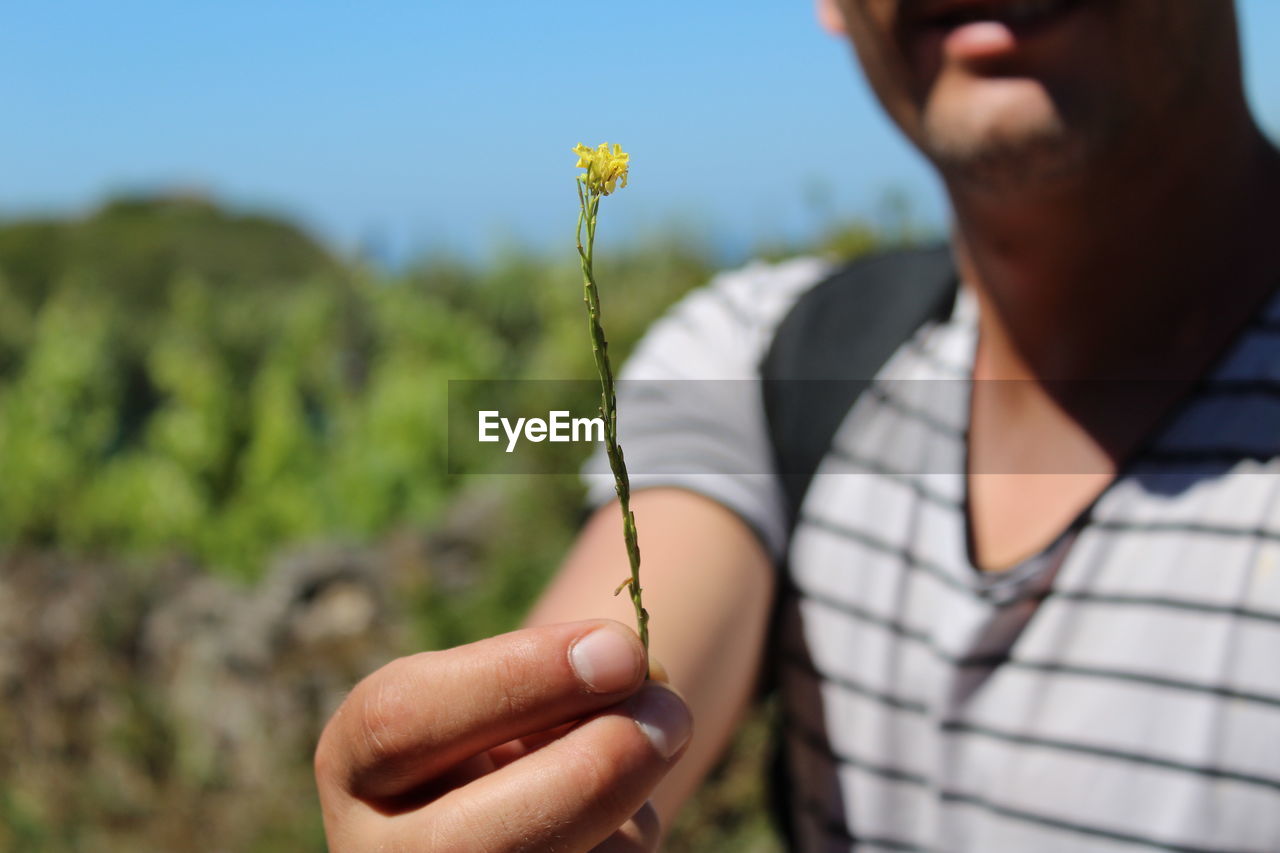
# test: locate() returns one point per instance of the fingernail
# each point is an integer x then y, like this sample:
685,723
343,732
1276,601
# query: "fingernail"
606,660
658,672
663,718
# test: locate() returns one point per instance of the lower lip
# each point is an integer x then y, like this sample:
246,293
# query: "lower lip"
978,41
985,40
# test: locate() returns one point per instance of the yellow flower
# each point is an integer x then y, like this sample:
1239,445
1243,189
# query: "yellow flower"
605,168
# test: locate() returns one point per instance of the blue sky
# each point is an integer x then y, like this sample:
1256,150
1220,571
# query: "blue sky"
435,124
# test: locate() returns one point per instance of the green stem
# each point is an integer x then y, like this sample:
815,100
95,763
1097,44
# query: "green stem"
590,205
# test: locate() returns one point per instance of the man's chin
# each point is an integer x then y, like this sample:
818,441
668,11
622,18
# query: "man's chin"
1024,150
1034,160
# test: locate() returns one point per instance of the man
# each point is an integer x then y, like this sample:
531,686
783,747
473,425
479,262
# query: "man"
1065,640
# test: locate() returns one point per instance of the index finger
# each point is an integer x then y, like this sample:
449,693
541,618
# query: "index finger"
420,715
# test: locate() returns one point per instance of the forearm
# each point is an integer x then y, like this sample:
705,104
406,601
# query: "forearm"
708,585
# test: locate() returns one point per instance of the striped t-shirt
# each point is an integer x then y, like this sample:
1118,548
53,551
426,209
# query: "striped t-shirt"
1119,691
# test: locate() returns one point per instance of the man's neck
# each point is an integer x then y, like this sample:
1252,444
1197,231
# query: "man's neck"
1148,272
1145,271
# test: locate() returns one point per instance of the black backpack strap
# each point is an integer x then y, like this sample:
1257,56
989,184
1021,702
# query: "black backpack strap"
825,352
832,343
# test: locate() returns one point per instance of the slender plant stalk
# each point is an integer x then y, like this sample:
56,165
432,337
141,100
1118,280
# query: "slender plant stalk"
589,205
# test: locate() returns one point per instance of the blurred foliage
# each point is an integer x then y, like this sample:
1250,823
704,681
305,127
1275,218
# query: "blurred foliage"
177,381
174,378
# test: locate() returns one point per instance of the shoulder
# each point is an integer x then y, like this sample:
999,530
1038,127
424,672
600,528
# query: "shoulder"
722,329
706,435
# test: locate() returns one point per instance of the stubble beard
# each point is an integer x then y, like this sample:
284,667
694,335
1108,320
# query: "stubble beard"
1041,157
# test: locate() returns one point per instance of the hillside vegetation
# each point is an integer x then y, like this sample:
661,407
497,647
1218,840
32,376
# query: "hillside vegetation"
225,496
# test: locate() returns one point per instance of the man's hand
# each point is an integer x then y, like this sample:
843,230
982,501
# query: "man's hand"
545,739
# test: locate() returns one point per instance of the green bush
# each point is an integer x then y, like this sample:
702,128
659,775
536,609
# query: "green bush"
190,382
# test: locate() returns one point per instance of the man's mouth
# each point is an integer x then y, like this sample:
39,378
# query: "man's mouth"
982,31
1019,14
